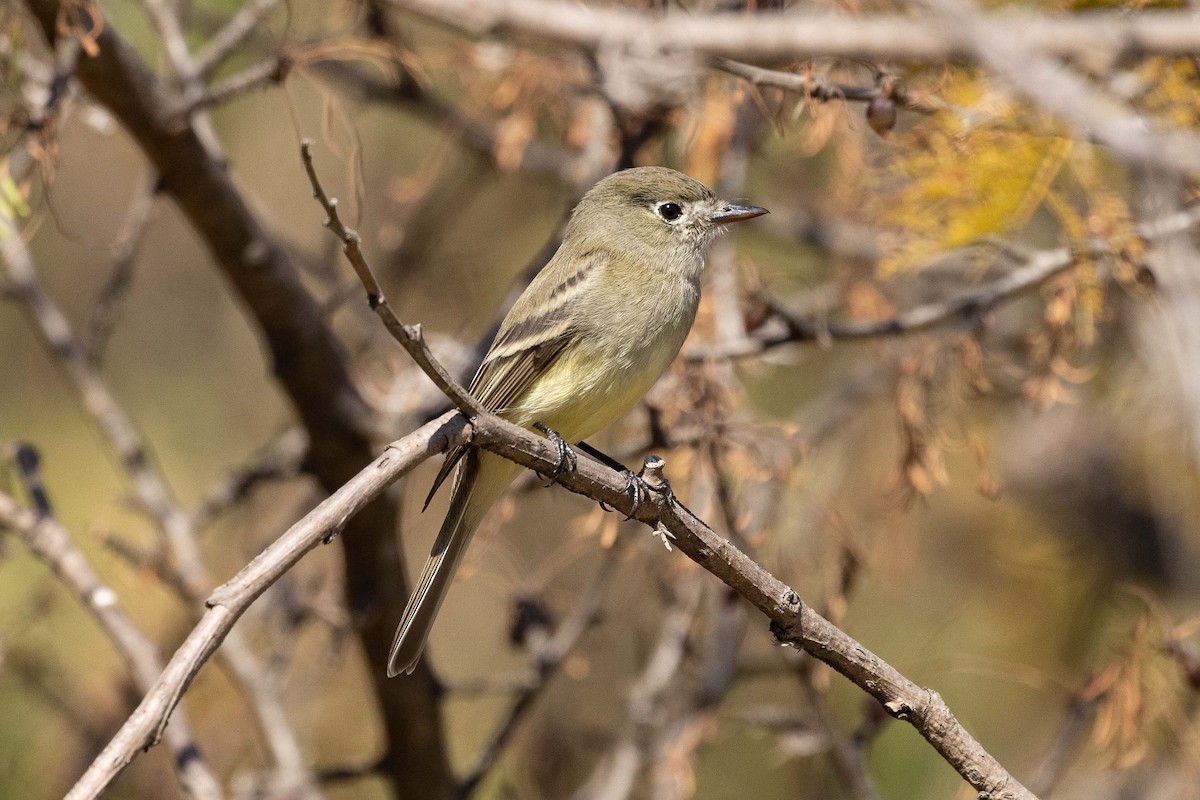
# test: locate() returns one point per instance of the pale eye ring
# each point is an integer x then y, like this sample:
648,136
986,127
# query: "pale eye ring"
669,211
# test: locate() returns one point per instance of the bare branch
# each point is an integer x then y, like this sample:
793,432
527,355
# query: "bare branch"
268,72
155,561
165,18
799,35
230,600
350,772
1075,728
967,307
819,87
153,494
110,301
845,754
281,459
47,539
226,40
409,337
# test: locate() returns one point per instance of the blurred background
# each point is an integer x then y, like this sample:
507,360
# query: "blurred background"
994,489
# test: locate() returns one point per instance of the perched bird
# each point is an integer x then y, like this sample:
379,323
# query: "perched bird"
583,343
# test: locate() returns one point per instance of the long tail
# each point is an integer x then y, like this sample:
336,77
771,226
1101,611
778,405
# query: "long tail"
480,480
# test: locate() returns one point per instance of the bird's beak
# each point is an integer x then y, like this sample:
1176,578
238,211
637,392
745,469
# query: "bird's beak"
731,213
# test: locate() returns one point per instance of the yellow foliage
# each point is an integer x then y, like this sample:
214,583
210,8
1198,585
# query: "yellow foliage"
1172,90
956,180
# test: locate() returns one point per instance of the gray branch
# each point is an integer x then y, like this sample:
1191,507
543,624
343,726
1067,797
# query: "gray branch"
799,35
47,539
1009,53
1037,268
155,498
230,600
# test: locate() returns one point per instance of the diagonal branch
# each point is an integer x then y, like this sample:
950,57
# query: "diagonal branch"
1037,268
409,337
1058,89
271,71
792,621
230,600
229,37
47,539
113,296
152,492
281,459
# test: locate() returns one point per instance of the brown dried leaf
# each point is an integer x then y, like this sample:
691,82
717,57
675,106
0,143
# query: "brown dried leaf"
513,135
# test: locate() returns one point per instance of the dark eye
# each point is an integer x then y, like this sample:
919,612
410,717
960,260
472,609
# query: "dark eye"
670,212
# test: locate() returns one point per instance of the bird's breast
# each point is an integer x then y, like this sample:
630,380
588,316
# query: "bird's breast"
617,355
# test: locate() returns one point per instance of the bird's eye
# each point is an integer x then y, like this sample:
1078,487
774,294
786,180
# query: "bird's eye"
670,212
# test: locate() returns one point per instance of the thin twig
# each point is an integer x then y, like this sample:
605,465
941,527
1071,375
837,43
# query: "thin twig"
268,72
844,752
166,20
155,561
410,337
349,772
225,41
819,87
110,300
1075,727
280,459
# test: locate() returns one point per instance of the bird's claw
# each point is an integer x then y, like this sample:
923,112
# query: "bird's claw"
636,489
567,460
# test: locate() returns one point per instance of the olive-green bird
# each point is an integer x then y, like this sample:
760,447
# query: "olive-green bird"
595,329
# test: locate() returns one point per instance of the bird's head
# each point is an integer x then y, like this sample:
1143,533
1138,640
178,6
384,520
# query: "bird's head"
656,209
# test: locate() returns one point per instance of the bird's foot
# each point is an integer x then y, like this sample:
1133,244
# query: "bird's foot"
567,461
638,486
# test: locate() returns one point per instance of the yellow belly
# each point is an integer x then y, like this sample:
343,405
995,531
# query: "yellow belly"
585,391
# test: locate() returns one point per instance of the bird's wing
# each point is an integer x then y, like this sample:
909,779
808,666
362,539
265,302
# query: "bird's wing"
531,337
